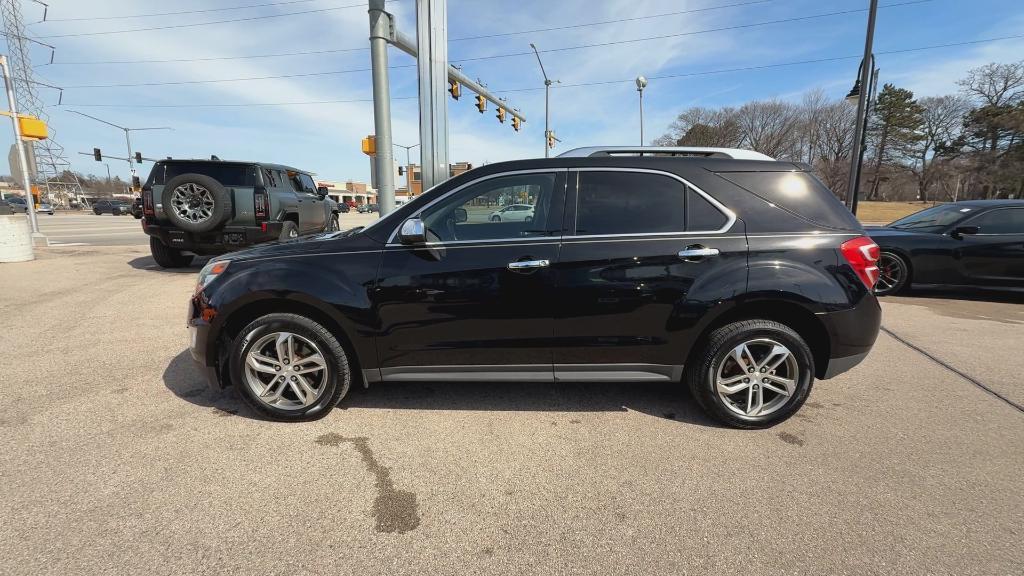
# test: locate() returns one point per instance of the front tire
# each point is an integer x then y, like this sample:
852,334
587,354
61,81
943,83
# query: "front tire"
167,257
495,218
288,367
333,225
893,274
752,374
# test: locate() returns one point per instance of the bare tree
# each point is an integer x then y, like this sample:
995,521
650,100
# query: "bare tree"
995,84
769,127
941,120
700,126
834,137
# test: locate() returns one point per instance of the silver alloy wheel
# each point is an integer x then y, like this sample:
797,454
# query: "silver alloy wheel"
192,202
757,377
286,371
891,273
293,233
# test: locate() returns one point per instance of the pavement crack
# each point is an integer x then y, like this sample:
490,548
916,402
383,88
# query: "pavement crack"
951,368
394,510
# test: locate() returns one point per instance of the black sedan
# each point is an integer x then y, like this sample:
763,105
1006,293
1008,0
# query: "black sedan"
973,243
114,207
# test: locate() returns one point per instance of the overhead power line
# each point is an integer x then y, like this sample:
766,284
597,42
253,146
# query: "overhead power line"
581,84
210,23
180,13
356,49
496,56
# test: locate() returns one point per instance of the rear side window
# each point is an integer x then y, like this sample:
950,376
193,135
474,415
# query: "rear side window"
227,173
629,203
701,215
797,192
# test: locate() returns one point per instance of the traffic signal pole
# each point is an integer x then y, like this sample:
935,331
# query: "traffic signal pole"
26,178
433,70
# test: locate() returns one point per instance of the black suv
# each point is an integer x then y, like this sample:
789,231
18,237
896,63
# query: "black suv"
742,277
215,206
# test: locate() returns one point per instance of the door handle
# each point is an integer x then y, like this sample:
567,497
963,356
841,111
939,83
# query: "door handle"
528,265
697,252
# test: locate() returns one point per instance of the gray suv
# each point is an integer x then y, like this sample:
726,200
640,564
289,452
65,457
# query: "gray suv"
213,206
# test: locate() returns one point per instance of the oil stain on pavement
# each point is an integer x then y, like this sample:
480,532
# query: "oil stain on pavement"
394,510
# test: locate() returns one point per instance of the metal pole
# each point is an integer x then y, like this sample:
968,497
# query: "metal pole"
432,65
547,101
863,146
380,35
866,67
131,165
641,117
30,201
107,164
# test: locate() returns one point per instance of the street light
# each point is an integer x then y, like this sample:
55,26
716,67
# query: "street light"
408,173
547,99
863,84
641,83
127,137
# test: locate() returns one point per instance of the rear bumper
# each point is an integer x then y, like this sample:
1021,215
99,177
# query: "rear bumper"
852,334
213,242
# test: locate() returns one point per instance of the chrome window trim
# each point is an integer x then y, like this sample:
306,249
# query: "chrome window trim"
729,214
416,214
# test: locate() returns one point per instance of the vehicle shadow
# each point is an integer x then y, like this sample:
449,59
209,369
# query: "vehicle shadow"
147,263
964,293
659,399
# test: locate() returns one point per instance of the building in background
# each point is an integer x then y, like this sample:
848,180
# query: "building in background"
416,181
349,192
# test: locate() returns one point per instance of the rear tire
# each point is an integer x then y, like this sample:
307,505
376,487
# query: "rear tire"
495,218
167,257
257,386
754,403
289,230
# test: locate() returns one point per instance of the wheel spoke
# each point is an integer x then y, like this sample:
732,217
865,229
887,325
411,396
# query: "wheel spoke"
741,354
776,357
729,386
281,344
755,400
788,384
272,393
261,363
303,391
311,363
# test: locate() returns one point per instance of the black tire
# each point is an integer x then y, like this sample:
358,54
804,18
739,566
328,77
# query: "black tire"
220,211
701,373
167,257
333,225
893,274
96,212
495,218
289,230
336,384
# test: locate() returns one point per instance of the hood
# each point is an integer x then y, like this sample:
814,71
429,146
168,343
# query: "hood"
312,244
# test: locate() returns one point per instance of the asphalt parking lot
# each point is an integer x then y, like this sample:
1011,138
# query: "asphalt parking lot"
114,457
83,228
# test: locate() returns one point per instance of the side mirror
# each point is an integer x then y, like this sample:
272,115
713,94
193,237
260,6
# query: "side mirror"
321,191
412,232
460,215
961,230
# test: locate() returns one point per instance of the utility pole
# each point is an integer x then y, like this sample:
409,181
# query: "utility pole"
547,101
127,138
26,178
641,83
866,70
433,114
408,172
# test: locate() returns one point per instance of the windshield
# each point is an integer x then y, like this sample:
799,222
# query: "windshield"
935,219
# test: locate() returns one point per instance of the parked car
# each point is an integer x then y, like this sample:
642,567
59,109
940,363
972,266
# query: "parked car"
213,206
112,207
742,277
5,208
367,208
137,208
344,208
513,213
972,243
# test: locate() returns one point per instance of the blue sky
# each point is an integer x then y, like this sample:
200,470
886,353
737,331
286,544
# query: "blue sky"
325,138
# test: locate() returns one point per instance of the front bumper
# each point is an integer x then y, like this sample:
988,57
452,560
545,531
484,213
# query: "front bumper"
198,344
213,242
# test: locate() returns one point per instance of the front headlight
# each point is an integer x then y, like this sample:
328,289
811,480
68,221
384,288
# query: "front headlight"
212,269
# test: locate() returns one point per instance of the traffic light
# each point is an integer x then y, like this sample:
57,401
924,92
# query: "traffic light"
551,138
454,89
136,184
500,115
138,157
516,123
481,103
370,145
97,155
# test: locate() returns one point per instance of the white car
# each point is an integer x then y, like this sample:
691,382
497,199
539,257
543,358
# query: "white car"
513,213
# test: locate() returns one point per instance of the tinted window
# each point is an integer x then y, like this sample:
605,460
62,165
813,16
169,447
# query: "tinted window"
934,219
701,215
469,213
1005,221
629,203
307,183
797,192
226,173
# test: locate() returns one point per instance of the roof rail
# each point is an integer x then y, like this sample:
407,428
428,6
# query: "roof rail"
734,153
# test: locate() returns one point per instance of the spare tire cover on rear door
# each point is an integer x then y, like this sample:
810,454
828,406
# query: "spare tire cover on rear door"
196,203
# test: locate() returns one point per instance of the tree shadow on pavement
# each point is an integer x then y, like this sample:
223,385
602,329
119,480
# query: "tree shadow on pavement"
147,263
661,399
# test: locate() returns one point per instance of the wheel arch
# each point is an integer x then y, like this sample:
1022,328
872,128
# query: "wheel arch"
786,312
239,318
905,256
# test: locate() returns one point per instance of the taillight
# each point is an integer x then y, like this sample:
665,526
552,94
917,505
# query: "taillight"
862,254
147,203
259,201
